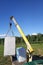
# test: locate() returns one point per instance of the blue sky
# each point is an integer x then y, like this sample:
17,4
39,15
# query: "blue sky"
28,13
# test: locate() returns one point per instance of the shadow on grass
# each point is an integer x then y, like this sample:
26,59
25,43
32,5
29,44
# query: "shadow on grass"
37,57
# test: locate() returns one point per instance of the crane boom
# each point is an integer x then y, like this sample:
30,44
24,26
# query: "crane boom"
29,48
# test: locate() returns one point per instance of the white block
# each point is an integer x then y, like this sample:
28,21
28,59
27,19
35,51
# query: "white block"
9,46
21,54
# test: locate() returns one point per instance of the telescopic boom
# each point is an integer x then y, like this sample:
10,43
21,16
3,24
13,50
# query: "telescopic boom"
29,48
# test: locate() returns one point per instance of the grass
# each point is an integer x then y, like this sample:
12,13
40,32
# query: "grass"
38,50
4,60
1,50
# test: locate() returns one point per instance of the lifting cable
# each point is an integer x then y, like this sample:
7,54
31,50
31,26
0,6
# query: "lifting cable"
10,29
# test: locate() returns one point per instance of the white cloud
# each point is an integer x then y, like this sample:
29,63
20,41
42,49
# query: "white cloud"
2,35
34,33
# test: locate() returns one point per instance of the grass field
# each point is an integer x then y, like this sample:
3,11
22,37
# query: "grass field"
38,50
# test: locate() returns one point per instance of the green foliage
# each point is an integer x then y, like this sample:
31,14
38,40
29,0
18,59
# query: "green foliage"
2,41
32,39
36,38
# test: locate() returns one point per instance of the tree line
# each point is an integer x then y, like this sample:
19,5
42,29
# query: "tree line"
31,38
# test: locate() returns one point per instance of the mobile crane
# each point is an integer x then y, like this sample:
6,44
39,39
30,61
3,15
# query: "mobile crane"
29,48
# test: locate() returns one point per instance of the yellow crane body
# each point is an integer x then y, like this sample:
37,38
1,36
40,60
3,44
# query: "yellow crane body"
29,48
